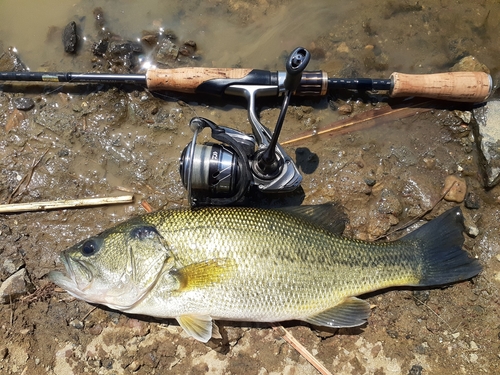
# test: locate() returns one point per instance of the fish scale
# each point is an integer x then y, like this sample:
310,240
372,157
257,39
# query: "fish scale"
257,265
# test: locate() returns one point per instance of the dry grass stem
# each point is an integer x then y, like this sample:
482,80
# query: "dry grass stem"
68,203
287,336
364,120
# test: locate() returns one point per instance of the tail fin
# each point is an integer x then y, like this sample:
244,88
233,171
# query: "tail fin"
442,257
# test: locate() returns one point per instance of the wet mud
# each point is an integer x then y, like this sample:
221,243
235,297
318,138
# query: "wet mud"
79,141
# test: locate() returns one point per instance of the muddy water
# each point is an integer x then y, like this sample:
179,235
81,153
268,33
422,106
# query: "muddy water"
107,142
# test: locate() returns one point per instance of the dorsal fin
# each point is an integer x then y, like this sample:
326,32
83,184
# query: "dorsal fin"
329,216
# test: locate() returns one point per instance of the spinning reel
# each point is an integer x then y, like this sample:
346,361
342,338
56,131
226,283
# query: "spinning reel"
221,173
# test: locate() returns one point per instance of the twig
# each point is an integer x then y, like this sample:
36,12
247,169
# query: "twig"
87,314
364,120
11,311
287,336
147,207
68,203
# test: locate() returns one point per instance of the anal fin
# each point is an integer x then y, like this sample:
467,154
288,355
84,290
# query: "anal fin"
351,312
197,326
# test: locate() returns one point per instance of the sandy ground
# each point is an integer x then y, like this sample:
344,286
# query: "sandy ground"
82,141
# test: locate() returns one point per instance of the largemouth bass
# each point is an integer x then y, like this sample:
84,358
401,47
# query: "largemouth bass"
257,265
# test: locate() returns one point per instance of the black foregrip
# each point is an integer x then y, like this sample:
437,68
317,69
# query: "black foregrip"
362,84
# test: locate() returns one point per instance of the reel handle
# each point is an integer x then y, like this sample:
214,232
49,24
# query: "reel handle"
268,164
295,65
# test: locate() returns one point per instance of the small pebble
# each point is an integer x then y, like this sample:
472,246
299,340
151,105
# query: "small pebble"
421,296
465,116
4,352
415,370
23,104
134,366
472,201
370,181
454,189
473,231
75,323
95,329
422,348
345,109
392,333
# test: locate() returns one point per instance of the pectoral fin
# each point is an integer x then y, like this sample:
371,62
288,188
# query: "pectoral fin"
198,326
203,274
351,312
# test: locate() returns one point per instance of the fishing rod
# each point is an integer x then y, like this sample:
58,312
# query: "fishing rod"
472,87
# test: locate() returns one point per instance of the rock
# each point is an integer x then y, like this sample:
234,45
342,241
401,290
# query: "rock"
149,38
70,37
10,266
488,137
15,286
100,47
389,203
23,104
345,109
123,48
469,64
190,43
10,61
167,52
14,119
454,189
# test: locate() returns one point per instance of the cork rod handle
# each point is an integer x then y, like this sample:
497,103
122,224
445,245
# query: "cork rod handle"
187,80
471,87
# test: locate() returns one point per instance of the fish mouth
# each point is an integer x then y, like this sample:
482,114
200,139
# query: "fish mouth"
74,285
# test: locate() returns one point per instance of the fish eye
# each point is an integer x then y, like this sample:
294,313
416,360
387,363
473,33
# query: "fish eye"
90,247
